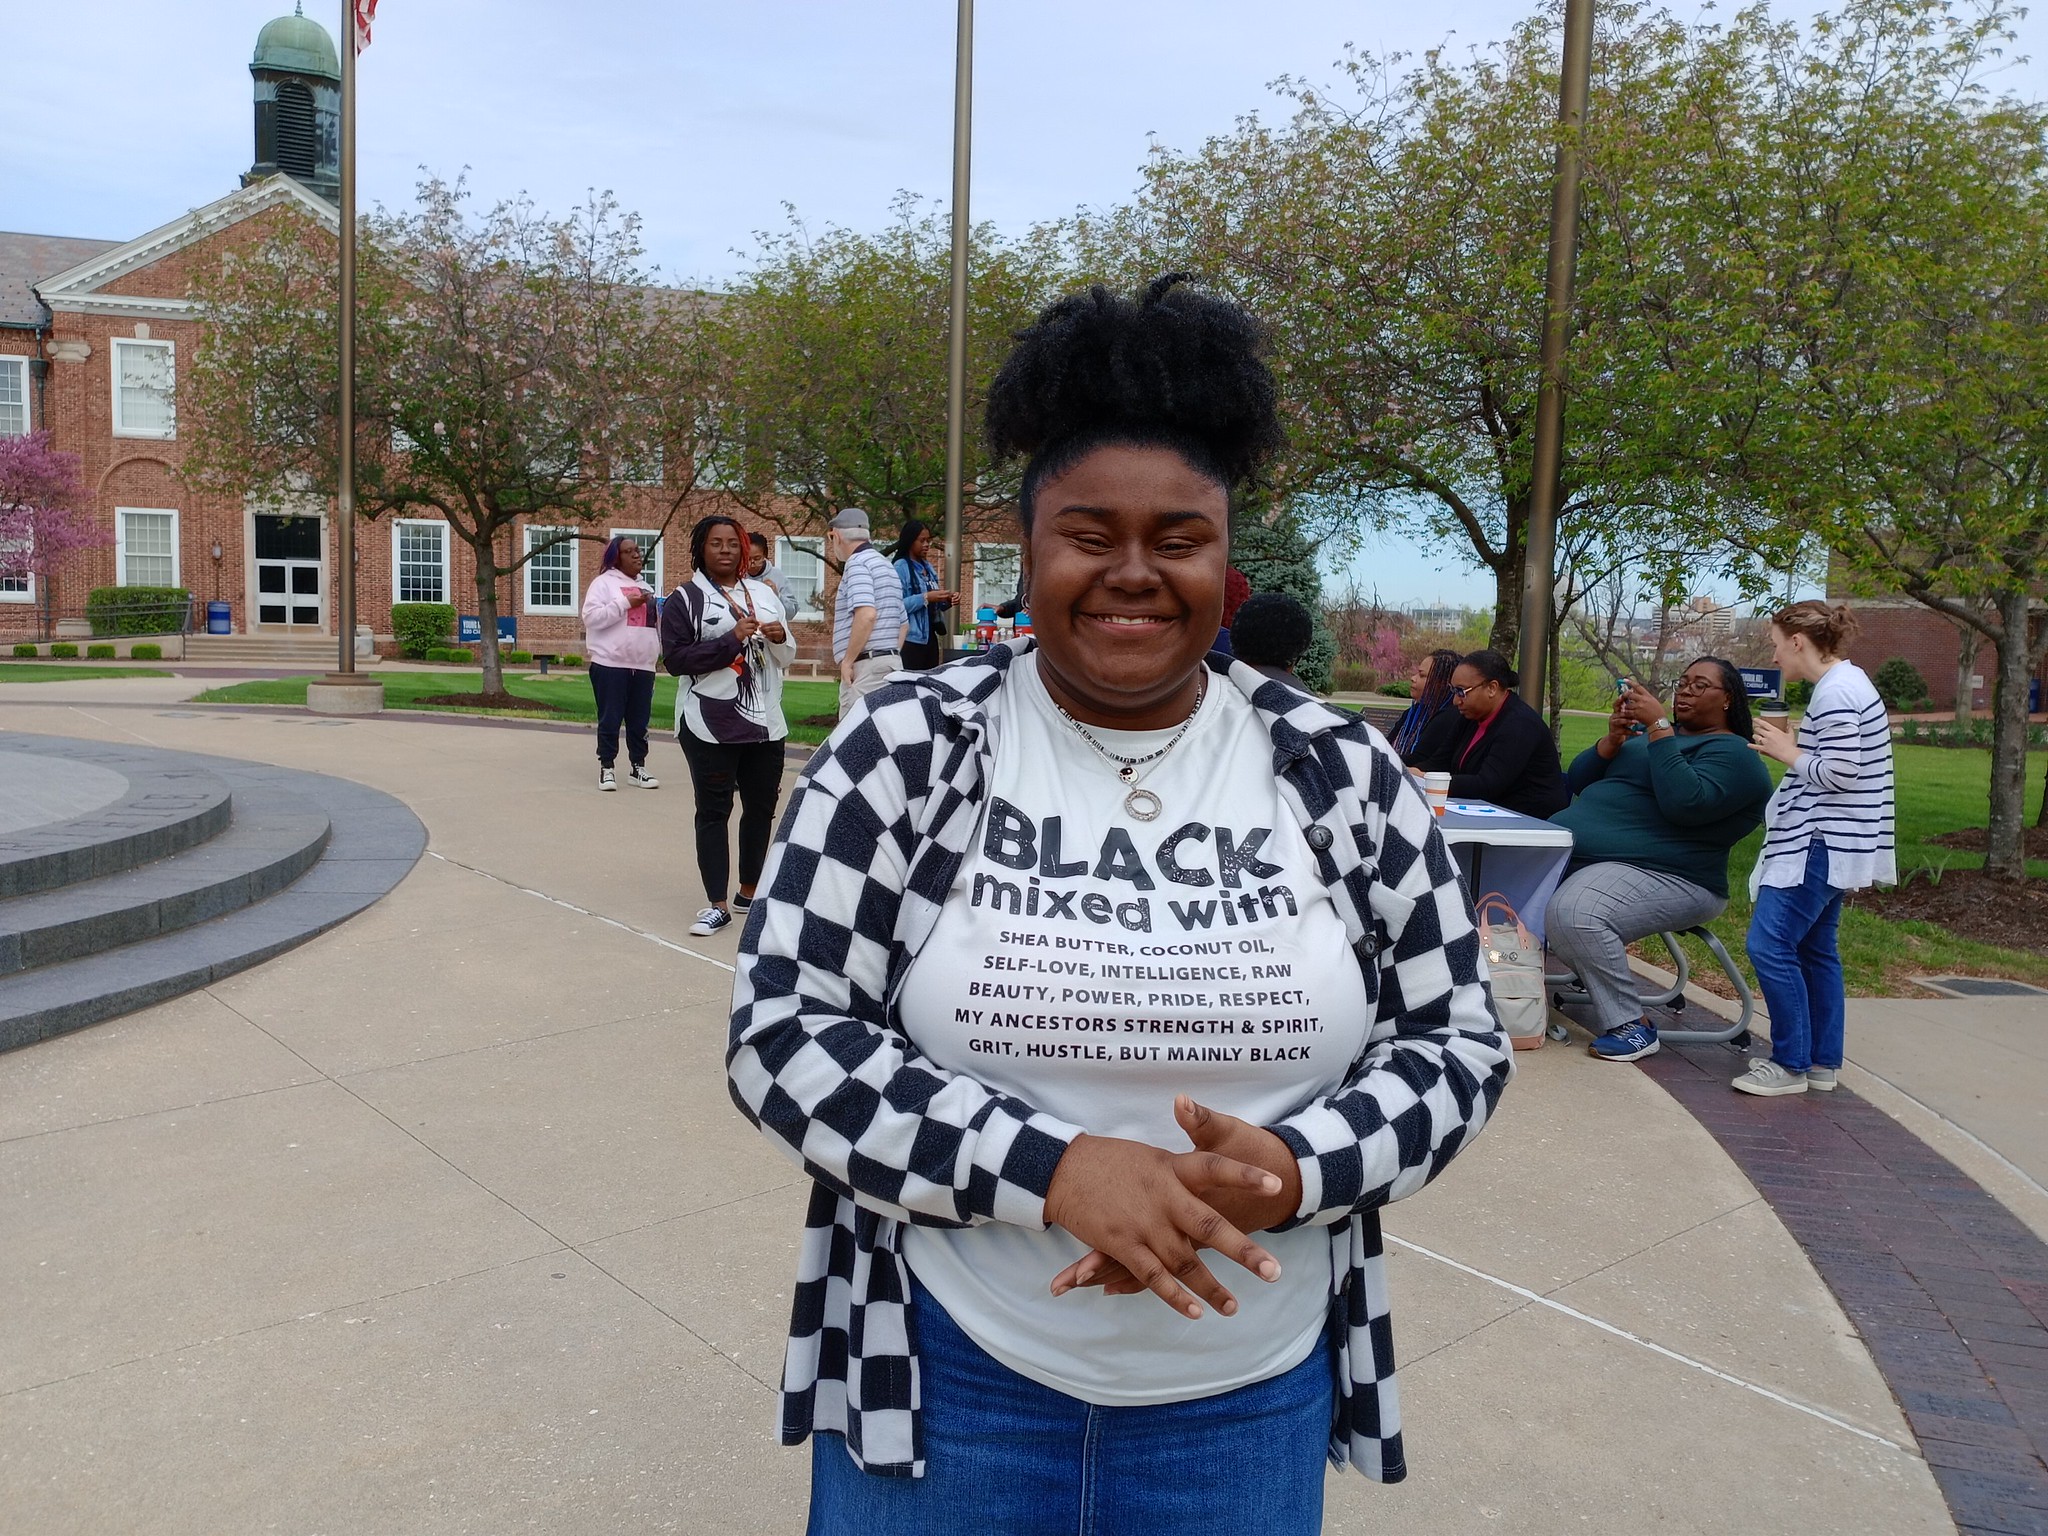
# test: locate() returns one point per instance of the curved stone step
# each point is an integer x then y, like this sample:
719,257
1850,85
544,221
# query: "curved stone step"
273,837
173,802
373,841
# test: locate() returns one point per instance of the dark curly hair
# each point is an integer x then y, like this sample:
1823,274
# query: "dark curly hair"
1175,368
1272,630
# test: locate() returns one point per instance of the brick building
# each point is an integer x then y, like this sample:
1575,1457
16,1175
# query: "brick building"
93,334
1898,626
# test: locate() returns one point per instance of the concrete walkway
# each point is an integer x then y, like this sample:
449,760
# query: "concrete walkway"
444,1223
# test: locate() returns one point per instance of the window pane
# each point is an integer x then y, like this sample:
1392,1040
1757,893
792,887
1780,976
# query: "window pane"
550,576
420,547
151,561
803,567
13,397
145,394
995,574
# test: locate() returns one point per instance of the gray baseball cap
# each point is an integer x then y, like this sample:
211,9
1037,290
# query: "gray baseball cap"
850,520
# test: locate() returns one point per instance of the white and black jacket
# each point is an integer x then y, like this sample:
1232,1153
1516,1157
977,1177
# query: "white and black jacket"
728,692
874,834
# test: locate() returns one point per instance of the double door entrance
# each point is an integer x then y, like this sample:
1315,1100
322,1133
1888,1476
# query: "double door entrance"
290,565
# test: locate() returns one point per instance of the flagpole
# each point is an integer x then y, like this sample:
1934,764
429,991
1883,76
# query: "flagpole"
956,336
345,691
345,533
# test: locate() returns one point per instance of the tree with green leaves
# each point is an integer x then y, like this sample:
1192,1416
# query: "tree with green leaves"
513,369
836,395
1393,235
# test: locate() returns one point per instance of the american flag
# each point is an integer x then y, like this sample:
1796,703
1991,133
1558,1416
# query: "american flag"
366,11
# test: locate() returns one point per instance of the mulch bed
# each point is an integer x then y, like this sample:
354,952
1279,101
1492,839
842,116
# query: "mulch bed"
492,701
1973,839
1970,906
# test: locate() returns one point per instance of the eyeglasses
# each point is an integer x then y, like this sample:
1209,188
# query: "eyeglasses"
1698,685
1459,693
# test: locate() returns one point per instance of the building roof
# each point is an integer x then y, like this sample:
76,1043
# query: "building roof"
26,260
297,45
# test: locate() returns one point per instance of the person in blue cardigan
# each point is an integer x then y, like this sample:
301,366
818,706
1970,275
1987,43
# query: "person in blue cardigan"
924,600
1654,815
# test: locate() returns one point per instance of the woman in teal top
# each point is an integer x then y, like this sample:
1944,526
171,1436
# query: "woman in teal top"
1653,816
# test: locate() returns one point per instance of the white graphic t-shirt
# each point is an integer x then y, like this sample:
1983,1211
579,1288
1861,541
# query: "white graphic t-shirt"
1095,965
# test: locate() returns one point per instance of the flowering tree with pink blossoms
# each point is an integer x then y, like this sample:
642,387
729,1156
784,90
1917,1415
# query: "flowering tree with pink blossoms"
43,513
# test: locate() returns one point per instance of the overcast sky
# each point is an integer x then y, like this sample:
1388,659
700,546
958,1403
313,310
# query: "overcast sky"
705,118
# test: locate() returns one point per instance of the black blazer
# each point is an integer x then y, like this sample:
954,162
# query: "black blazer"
1515,764
1435,737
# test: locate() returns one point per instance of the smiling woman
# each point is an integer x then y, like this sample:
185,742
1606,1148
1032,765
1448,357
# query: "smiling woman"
1040,919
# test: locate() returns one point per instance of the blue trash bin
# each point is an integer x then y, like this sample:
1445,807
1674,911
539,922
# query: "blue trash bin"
219,619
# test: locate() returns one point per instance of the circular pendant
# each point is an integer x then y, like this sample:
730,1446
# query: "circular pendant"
1143,805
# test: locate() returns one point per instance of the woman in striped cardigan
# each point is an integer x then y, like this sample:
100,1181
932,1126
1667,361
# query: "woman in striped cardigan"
1829,830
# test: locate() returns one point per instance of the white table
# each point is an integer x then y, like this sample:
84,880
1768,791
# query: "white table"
1502,852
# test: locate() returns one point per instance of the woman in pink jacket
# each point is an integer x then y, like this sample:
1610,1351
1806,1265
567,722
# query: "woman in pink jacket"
619,630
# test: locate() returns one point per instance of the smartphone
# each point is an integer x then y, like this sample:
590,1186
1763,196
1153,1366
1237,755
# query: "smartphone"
1635,727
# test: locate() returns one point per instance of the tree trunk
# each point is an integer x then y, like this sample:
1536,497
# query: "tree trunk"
487,617
2004,849
1554,683
1967,642
1506,636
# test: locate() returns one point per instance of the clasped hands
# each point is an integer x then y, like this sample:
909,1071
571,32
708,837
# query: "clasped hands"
1147,1213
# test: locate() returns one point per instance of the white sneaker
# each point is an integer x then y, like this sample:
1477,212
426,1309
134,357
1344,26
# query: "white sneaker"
640,778
709,921
1821,1079
1767,1079
607,780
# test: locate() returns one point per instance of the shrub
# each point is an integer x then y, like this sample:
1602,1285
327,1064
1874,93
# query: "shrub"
460,653
571,660
63,650
1798,694
434,653
1899,684
1400,690
25,650
519,658
146,652
138,610
418,627
100,652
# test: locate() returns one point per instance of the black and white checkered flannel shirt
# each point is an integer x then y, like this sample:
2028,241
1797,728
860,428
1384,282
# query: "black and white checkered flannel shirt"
879,824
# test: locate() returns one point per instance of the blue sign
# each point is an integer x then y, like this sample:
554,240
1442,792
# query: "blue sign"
469,629
1762,682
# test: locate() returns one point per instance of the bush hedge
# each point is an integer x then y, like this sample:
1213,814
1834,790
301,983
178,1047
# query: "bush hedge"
146,652
1899,683
461,653
418,627
26,650
138,610
1798,694
63,650
569,661
100,652
517,658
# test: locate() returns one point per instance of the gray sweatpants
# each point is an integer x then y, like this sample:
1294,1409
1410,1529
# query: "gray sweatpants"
1599,909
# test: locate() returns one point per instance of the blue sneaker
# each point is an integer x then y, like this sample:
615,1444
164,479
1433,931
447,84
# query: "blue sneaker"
1629,1043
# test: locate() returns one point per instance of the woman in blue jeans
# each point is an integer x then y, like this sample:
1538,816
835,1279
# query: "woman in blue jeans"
1106,989
1829,830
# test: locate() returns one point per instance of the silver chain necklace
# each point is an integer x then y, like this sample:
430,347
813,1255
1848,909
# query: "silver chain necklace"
1141,803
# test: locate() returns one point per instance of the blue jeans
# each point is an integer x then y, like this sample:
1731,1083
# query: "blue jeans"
1005,1456
1792,947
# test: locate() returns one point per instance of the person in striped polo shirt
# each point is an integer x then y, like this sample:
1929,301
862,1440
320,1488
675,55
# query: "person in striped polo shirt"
1829,829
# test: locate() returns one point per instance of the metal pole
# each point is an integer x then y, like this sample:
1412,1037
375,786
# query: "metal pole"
344,586
956,334
1539,569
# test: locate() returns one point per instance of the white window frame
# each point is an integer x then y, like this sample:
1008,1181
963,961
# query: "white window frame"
28,404
651,572
447,557
536,534
810,544
26,594
121,546
161,434
983,598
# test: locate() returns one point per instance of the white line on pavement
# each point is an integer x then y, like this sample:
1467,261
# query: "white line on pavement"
570,906
1669,1354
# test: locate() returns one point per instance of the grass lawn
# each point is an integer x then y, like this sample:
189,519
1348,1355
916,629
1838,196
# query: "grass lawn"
569,692
1939,790
31,672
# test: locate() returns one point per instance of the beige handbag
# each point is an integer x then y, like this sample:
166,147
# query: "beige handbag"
1514,963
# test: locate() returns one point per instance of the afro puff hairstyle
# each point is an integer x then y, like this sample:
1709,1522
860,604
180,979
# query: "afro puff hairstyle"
1176,368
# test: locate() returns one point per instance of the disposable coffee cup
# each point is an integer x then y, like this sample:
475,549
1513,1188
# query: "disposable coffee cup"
1438,787
1774,709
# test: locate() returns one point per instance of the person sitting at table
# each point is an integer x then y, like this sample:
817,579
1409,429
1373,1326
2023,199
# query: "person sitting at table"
1655,815
1502,751
1427,725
